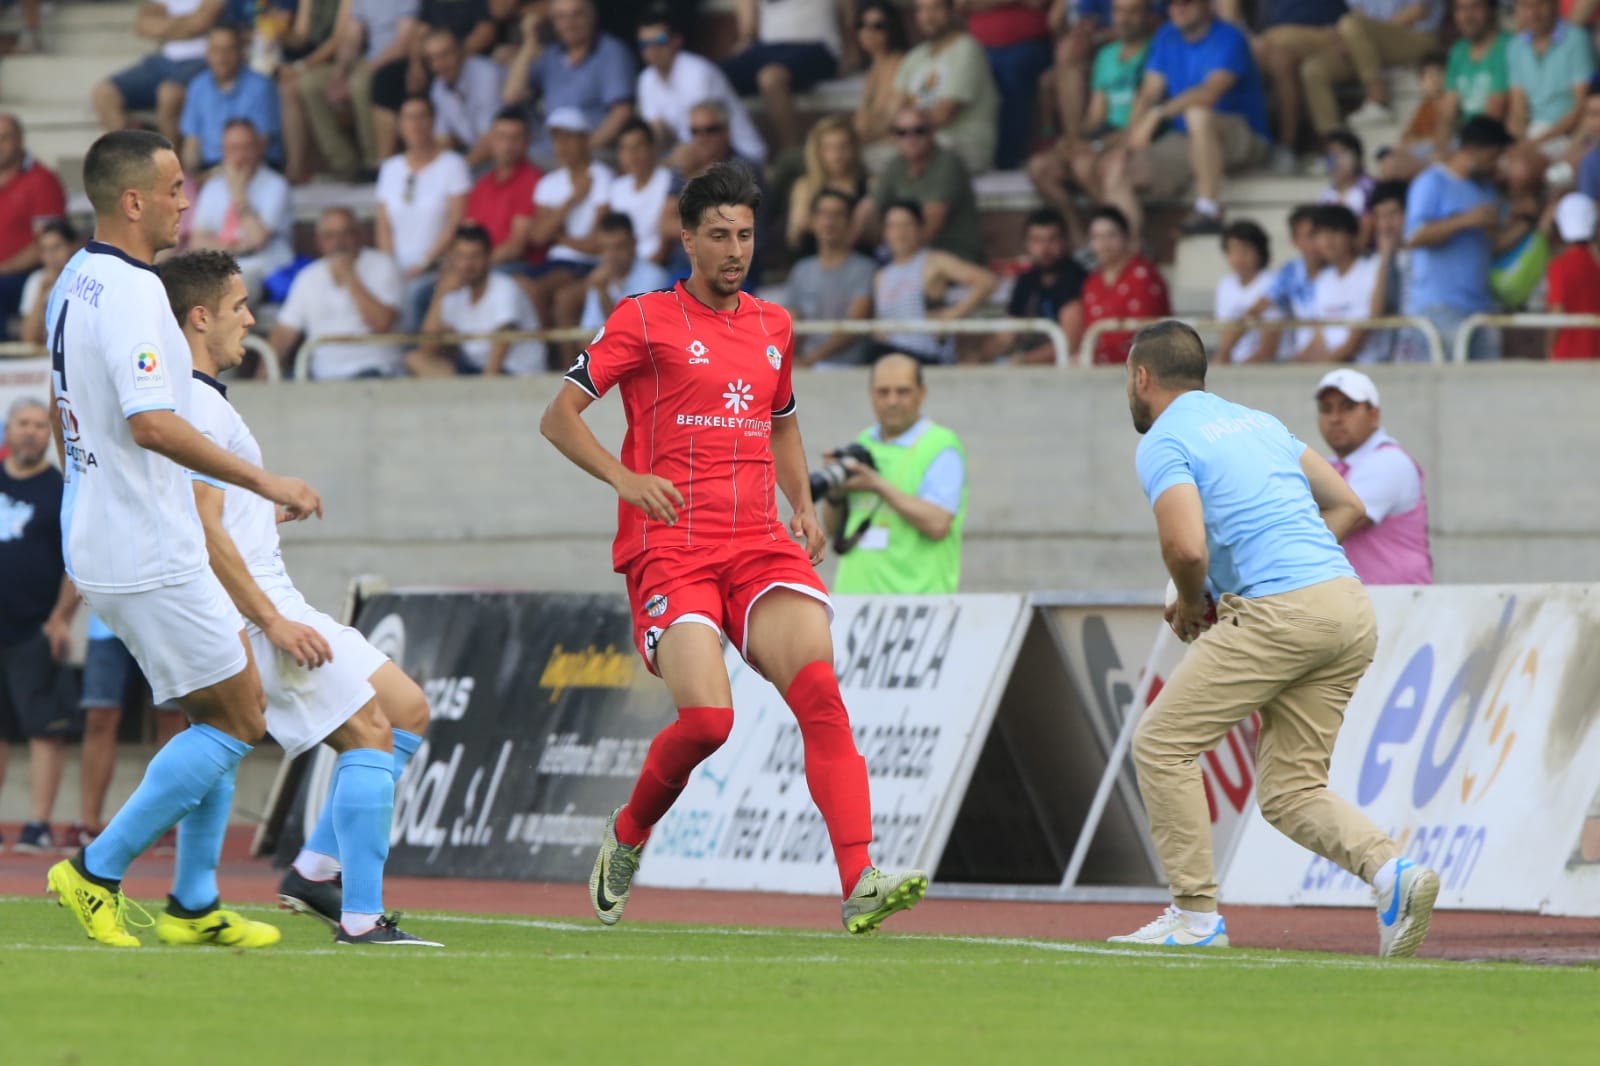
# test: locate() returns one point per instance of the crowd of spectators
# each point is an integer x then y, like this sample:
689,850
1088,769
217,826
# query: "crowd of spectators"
541,145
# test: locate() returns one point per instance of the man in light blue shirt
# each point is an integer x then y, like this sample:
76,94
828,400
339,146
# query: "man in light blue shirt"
583,68
1246,509
227,90
621,272
1550,64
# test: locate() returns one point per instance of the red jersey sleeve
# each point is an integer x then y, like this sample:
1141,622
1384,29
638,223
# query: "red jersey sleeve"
621,347
783,402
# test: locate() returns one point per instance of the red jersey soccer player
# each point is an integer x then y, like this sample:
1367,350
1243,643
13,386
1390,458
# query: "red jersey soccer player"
704,372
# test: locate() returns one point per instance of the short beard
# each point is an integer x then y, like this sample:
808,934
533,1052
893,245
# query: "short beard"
723,288
1142,420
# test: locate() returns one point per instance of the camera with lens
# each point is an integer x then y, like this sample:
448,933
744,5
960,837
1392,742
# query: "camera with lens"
826,481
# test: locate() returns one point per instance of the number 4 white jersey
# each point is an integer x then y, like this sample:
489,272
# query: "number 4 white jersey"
128,521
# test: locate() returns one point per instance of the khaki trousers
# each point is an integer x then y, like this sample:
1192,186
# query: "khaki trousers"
1296,657
1369,47
330,136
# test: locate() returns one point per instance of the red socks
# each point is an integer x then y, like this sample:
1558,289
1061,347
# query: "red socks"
673,755
835,771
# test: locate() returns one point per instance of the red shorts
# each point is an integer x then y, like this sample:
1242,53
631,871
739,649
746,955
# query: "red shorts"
714,587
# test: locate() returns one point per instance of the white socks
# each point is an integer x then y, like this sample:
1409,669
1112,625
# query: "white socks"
1202,922
356,924
315,866
1383,880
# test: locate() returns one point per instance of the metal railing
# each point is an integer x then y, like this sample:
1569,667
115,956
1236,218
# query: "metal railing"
259,345
865,327
1523,320
1430,332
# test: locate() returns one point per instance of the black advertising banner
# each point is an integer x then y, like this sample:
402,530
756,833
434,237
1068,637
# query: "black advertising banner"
542,714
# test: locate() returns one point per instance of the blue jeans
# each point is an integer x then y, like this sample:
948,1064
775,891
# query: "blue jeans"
1016,69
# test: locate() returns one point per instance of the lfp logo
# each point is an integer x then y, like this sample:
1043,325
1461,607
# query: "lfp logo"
147,362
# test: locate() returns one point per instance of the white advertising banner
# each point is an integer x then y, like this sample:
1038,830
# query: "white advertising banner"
922,677
1472,740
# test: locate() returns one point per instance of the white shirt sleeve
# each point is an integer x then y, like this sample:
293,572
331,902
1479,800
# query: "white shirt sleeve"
552,190
211,205
296,310
206,415
139,365
273,205
503,310
457,176
380,274
1387,482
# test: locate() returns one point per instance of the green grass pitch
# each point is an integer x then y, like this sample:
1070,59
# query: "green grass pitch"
512,990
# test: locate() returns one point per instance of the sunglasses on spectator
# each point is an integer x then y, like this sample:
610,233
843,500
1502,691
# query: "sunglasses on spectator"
706,131
911,131
655,40
872,24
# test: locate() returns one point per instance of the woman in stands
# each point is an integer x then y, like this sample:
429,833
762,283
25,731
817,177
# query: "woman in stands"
881,33
833,161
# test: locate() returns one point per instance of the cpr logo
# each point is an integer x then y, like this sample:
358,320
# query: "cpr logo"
737,396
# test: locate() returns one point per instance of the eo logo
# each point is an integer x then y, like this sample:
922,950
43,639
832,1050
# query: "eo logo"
147,362
737,396
655,606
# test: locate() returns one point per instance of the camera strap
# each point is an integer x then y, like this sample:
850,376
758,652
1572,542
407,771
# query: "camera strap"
847,543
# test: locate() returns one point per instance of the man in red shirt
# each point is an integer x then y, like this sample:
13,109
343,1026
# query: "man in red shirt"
1124,285
502,200
29,194
1574,278
705,375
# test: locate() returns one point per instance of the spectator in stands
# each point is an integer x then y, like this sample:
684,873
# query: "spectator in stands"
833,161
1295,31
1349,184
947,77
1199,114
641,189
466,95
913,284
471,298
835,282
350,291
1574,279
370,62
1550,64
157,82
30,194
1015,35
1477,75
245,208
310,45
1239,294
57,241
673,80
1388,213
1389,544
1342,290
1293,289
467,21
1051,287
28,41
1082,28
785,47
621,272
501,200
935,177
881,36
1587,163
422,196
225,90
584,70
709,144
1373,36
1453,228
569,201
1429,125
1118,69
897,528
1124,284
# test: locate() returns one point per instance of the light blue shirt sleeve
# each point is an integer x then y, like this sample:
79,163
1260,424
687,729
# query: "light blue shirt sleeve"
944,481
616,70
1162,463
593,317
189,120
1422,202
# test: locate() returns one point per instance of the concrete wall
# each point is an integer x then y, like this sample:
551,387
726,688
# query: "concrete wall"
450,482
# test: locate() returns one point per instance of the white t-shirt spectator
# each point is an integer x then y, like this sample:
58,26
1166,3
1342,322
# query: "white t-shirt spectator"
418,203
555,189
1234,301
1355,197
466,110
692,80
1386,479
32,292
188,47
502,306
317,307
270,198
799,21
642,205
1349,296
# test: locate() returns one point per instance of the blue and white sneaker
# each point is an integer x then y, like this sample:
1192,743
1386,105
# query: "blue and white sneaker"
1172,930
1405,910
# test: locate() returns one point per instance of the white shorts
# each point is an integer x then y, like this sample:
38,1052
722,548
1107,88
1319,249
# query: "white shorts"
304,706
184,637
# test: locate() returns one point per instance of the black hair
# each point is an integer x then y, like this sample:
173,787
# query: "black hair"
512,113
471,231
830,193
1336,217
724,183
1304,213
914,207
240,120
61,227
637,125
1173,353
118,161
1348,140
423,98
1044,216
894,19
1482,131
1107,213
197,279
1248,232
615,222
1386,191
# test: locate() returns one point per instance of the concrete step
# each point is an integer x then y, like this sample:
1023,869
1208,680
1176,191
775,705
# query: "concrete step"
53,79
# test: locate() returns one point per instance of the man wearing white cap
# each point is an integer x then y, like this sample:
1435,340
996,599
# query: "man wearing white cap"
568,204
1389,546
1574,278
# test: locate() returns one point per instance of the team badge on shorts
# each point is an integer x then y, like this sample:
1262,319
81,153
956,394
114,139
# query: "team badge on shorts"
774,356
655,606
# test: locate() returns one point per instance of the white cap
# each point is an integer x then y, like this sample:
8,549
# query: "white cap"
569,119
1575,218
1353,383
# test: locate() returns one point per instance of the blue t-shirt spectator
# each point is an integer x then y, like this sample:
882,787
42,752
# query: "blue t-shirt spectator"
1185,64
207,109
1101,9
1294,292
602,80
1264,532
1548,80
1304,12
1454,274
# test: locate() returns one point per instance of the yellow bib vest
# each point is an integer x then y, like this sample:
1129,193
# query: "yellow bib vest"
893,558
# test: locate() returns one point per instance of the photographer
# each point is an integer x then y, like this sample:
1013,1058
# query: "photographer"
895,500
